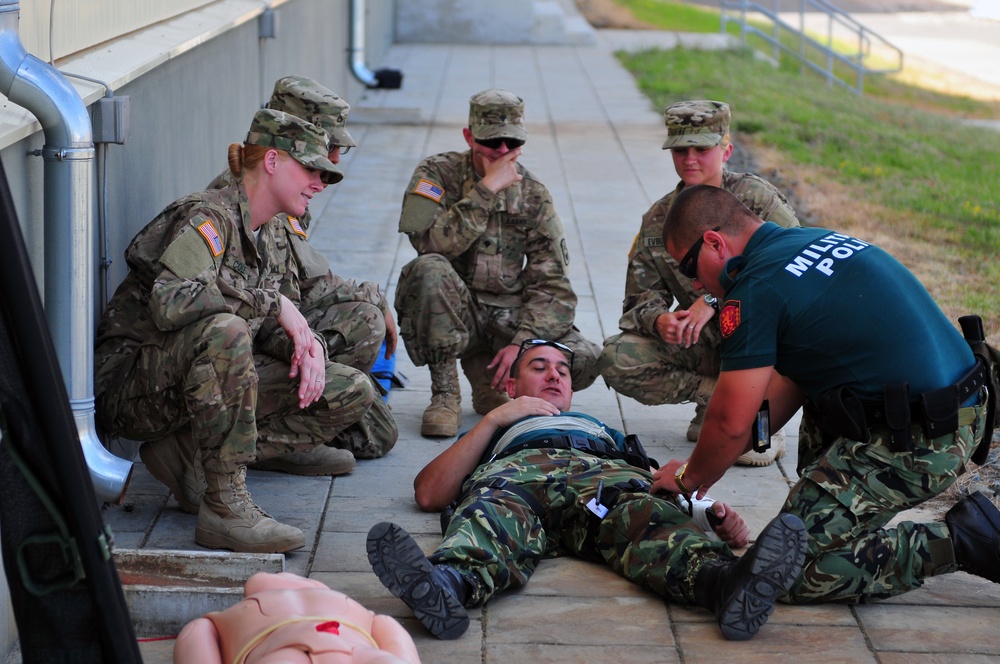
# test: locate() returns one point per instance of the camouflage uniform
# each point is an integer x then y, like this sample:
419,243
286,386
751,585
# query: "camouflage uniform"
637,362
181,344
498,535
492,267
349,316
850,490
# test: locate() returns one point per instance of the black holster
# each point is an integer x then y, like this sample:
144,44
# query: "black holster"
842,413
975,334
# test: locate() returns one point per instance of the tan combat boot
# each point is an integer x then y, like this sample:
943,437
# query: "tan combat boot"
484,397
229,519
175,462
443,415
320,460
701,405
765,458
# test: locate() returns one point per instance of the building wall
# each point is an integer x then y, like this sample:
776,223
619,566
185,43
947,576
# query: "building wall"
195,71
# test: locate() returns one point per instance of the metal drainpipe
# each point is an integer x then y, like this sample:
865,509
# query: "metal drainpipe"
383,78
70,239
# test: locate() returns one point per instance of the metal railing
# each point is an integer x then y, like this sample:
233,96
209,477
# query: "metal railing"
846,42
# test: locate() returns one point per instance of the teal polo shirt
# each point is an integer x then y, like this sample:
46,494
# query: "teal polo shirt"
829,310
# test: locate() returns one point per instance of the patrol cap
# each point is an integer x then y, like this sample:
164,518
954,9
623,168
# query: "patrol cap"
497,114
308,99
699,123
306,142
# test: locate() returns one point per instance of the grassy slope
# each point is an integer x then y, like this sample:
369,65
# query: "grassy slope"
896,166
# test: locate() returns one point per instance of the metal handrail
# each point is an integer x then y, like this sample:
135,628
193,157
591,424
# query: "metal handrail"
866,40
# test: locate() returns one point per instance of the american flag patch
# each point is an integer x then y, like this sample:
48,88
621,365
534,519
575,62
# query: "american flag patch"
297,226
429,190
211,236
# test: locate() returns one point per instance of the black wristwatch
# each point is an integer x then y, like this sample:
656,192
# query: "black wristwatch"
712,301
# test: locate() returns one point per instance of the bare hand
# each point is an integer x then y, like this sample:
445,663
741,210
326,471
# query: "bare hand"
519,408
391,335
297,328
501,364
502,171
312,374
733,530
663,480
683,327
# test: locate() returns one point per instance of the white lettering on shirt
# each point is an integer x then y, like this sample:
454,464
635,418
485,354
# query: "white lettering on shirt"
824,254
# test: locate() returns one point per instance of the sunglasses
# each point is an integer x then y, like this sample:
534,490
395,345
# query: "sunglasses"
495,143
532,343
689,264
344,149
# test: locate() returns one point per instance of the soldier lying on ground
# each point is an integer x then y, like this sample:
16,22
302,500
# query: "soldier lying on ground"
532,477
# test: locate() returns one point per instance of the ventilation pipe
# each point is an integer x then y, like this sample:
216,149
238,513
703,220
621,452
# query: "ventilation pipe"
390,79
70,241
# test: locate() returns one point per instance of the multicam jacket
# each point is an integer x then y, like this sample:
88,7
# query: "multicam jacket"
308,280
653,281
508,247
197,258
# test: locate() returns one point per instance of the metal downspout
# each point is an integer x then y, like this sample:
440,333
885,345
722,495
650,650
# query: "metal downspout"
383,78
70,235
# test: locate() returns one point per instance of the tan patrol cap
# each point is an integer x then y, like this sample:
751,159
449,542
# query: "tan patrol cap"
304,141
700,123
497,114
308,99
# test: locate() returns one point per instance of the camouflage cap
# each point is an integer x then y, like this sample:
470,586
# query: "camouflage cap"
308,99
497,114
304,141
699,123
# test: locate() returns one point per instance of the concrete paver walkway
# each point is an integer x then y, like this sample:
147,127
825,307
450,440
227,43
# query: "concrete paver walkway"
595,141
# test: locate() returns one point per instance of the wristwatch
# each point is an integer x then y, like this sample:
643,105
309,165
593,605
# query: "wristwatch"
712,301
679,480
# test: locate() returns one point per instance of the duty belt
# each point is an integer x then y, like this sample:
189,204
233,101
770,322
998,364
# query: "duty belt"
633,452
939,412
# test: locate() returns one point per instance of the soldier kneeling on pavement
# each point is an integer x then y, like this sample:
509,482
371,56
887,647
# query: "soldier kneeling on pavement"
178,362
492,266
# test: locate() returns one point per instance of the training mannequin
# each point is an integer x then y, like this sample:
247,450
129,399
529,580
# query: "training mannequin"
287,618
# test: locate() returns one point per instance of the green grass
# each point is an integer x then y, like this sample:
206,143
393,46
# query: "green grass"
933,174
676,16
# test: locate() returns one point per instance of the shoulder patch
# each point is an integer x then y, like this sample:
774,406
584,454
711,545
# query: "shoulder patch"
428,189
729,318
207,230
653,241
297,226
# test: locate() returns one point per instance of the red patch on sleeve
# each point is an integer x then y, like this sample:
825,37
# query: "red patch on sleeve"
729,318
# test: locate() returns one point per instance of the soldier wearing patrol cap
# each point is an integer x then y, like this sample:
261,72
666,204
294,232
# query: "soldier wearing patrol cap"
668,354
178,358
492,265
353,318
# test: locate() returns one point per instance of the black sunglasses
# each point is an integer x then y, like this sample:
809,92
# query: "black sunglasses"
689,264
495,143
531,343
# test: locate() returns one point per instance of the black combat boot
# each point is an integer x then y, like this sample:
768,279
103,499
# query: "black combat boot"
741,592
974,524
435,593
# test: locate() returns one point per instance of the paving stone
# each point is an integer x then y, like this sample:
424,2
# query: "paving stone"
932,629
703,643
521,618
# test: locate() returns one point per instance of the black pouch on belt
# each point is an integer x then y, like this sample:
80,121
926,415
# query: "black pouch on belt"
940,411
897,416
843,414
